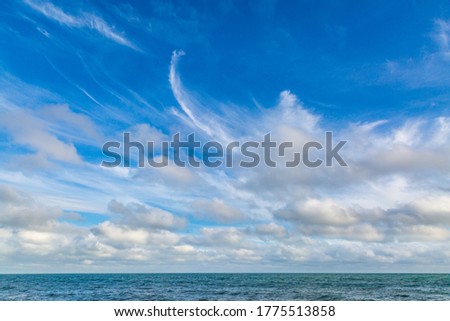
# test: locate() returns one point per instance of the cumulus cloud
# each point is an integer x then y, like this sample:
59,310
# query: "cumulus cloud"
432,210
20,210
32,132
320,212
46,133
220,237
136,214
271,229
128,240
120,234
420,220
216,210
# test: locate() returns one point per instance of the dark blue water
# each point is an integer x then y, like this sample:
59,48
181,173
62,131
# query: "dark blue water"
225,287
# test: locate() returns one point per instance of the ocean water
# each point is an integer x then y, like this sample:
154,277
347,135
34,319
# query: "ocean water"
208,286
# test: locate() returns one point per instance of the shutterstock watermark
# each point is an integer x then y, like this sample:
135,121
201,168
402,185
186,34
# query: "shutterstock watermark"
191,152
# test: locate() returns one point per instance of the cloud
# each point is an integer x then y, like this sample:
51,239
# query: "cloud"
290,111
84,20
216,210
425,71
199,116
359,232
9,195
61,117
321,212
32,132
217,237
441,35
423,219
389,208
271,229
146,133
432,210
20,210
122,234
391,166
51,131
134,214
424,233
130,242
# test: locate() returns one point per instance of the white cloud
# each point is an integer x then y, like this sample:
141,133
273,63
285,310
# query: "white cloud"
388,208
424,233
359,232
20,210
146,133
63,120
48,131
425,71
321,212
271,229
122,234
442,35
408,134
216,210
84,20
135,214
432,209
198,115
220,237
32,132
290,111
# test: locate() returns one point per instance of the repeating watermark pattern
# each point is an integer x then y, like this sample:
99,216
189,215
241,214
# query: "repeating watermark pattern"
191,152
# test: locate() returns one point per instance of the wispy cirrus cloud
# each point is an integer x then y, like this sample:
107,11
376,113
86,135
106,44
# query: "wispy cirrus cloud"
197,114
83,20
427,70
441,35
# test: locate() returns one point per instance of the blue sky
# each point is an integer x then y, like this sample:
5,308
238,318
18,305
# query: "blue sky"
75,75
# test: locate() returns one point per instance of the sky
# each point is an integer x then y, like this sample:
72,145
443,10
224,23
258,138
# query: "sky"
74,75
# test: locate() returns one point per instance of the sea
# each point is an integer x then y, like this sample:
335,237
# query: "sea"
225,287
